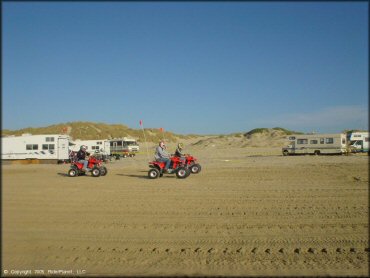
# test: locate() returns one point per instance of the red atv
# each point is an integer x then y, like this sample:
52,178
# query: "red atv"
97,169
176,167
191,163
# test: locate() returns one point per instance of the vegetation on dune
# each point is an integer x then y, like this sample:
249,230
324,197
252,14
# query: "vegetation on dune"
89,130
268,130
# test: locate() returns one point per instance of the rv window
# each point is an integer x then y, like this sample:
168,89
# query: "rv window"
329,140
343,140
291,138
49,139
313,142
98,143
366,139
32,147
322,140
302,141
51,146
48,146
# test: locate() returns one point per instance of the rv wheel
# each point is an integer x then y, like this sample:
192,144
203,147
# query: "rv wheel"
285,153
72,173
95,172
317,152
153,173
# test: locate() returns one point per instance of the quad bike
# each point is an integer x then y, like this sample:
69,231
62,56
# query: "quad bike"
97,169
191,163
177,167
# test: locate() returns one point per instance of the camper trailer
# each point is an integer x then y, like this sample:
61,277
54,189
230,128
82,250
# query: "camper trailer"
359,141
28,146
123,147
92,146
316,144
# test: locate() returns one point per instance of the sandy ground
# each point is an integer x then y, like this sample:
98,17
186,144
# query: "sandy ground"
249,212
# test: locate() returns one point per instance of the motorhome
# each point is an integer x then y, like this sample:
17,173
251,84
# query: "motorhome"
316,144
28,146
92,146
359,141
123,147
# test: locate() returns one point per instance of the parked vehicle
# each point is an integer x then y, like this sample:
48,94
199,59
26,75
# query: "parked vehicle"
359,141
92,146
96,166
177,167
28,146
316,144
123,147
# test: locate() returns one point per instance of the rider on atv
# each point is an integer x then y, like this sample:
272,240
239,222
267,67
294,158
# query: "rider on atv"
179,153
161,155
81,156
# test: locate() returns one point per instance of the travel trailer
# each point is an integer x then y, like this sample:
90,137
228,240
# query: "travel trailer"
316,144
28,146
359,141
92,146
123,147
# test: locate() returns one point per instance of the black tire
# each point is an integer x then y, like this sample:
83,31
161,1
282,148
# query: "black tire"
316,152
95,172
103,171
153,173
285,153
182,173
195,168
188,172
72,172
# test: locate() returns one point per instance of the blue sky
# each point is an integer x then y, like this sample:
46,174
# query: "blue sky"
206,68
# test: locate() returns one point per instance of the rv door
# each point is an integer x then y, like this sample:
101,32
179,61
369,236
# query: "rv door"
62,148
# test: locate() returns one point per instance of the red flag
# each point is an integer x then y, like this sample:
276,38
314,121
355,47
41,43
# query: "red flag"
141,122
161,129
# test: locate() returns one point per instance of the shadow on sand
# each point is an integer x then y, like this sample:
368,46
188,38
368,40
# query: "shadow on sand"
134,176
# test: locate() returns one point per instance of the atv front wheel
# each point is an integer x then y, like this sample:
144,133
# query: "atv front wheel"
195,168
153,173
103,171
72,173
182,173
95,172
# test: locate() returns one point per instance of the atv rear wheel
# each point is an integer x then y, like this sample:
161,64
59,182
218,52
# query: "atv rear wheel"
153,173
182,173
95,172
195,169
73,172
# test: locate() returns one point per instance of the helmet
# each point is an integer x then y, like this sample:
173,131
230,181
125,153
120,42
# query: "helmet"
180,145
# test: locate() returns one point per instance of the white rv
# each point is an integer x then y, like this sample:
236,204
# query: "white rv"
93,146
123,147
28,146
316,144
359,141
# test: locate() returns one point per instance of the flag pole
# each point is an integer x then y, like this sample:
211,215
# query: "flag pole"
146,143
161,129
